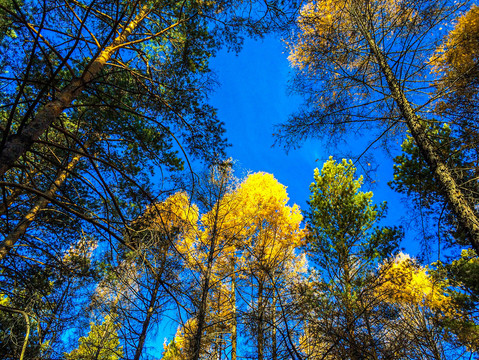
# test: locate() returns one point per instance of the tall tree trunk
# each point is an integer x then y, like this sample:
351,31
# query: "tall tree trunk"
274,345
234,322
146,322
260,320
354,353
206,281
18,144
7,244
465,214
203,304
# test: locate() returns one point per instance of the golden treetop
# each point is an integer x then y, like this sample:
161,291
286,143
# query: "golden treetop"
334,30
460,50
404,282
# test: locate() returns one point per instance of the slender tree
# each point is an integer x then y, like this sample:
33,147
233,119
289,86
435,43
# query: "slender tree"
343,317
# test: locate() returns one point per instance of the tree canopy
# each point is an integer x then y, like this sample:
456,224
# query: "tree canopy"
126,233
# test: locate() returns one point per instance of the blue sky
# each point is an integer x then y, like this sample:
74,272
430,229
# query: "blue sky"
252,98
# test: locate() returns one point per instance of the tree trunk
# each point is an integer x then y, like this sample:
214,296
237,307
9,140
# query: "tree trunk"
146,322
7,244
274,345
465,214
234,323
202,310
206,283
260,330
18,144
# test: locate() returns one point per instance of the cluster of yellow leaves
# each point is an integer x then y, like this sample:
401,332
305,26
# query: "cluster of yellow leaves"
403,282
316,21
176,211
271,227
333,27
460,51
179,347
253,219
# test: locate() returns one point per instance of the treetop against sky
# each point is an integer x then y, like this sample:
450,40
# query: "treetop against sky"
152,154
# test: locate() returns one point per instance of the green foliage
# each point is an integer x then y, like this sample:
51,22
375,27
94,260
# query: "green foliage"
342,216
346,245
466,270
412,176
101,343
7,7
462,275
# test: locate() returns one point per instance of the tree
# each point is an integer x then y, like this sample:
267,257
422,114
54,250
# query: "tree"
362,55
342,315
101,343
456,64
269,236
237,259
429,312
412,177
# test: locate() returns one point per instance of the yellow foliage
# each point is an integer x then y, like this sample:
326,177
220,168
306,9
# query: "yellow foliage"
460,51
316,21
403,282
175,212
334,27
270,228
180,346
